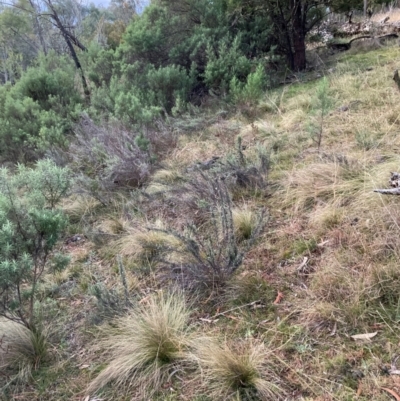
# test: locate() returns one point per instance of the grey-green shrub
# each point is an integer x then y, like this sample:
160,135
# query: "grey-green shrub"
30,226
39,110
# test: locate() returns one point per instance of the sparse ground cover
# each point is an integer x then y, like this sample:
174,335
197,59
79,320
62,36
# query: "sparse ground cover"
278,326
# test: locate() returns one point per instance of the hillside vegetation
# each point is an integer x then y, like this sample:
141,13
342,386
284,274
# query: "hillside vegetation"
164,244
323,268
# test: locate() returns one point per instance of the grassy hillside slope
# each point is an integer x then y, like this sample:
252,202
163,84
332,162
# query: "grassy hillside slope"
326,266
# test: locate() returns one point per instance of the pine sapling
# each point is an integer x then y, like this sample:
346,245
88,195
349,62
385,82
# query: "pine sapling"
321,106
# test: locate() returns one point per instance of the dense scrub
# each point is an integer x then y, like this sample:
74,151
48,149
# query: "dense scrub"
166,59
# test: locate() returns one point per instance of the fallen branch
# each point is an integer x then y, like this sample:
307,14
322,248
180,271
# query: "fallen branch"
393,191
394,182
392,392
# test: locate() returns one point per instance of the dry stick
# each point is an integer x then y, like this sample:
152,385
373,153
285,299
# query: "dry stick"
394,183
393,191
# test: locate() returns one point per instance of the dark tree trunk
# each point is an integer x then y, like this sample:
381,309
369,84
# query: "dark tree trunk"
284,32
69,39
299,56
298,36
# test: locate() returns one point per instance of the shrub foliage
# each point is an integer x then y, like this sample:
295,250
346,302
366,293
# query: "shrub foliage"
30,225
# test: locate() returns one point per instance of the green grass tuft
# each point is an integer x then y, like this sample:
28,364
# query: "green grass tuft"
239,371
21,350
145,346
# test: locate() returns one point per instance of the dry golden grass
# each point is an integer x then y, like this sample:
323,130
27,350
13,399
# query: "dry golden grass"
238,371
350,283
168,176
326,217
319,183
146,246
79,208
244,222
144,347
113,225
59,277
21,350
191,150
163,180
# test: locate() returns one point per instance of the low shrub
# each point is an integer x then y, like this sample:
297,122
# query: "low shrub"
110,156
246,95
30,225
209,242
39,110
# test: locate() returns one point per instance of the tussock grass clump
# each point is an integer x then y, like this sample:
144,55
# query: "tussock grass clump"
81,209
113,225
163,181
167,176
145,346
146,246
244,222
327,217
241,371
386,281
21,349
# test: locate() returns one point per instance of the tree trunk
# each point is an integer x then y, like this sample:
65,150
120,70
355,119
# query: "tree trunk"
284,29
68,40
298,37
38,26
299,59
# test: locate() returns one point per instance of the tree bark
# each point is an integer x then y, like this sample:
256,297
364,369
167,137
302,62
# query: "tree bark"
298,37
285,31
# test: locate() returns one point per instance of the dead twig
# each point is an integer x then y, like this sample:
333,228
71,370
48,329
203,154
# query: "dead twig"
392,392
393,369
278,298
394,182
303,265
393,191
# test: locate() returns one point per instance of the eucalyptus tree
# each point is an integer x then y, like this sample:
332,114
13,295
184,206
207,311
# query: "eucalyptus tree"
18,46
59,18
292,20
